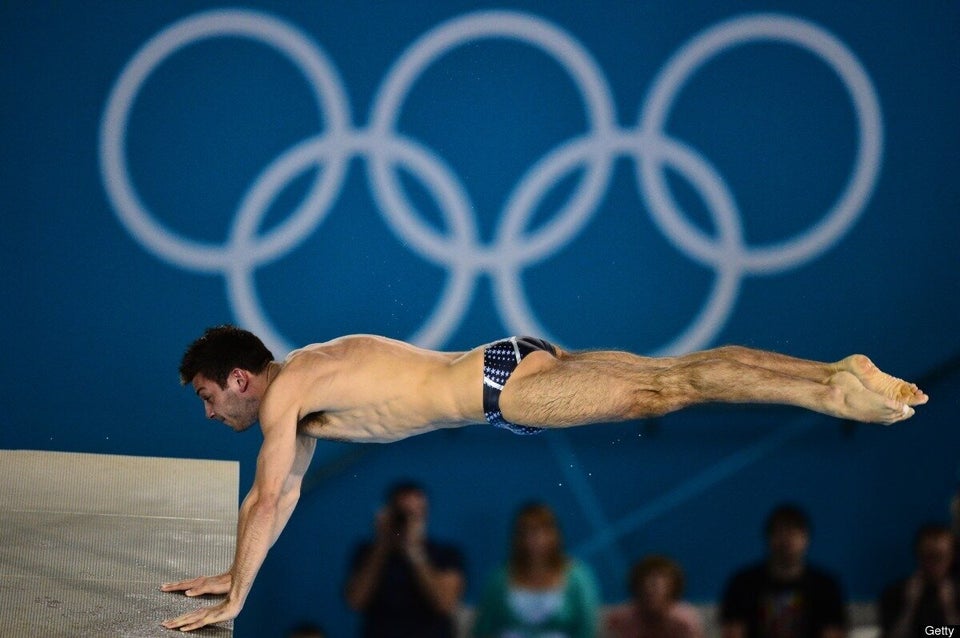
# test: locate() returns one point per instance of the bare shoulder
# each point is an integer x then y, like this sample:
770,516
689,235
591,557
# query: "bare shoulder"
346,344
303,378
306,366
359,346
319,376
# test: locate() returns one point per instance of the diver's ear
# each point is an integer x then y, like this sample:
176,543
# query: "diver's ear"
239,378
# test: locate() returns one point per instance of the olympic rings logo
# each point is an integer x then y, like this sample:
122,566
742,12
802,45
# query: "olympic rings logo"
460,251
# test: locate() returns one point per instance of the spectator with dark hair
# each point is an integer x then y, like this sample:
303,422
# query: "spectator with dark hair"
930,595
403,582
955,526
541,591
783,596
955,513
307,630
655,609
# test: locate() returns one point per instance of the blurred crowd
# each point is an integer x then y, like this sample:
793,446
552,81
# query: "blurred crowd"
403,583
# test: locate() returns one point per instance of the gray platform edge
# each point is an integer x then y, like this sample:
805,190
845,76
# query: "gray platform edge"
86,539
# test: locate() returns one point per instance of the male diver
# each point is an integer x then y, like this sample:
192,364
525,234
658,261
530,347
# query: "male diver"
369,388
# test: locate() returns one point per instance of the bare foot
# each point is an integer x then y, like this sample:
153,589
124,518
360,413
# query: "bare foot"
859,403
880,382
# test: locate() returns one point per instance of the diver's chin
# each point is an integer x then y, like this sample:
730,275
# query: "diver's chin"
241,427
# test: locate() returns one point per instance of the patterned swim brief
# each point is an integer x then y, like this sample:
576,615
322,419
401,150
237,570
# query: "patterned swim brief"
500,359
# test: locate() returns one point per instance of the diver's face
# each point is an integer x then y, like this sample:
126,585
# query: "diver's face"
230,405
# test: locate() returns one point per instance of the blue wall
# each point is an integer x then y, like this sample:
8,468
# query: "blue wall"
654,176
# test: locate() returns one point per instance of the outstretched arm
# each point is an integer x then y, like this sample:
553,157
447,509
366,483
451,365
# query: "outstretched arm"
283,460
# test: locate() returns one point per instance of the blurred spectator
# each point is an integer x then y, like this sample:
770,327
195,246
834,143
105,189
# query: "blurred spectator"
929,595
955,526
541,591
307,630
783,596
655,609
955,513
403,582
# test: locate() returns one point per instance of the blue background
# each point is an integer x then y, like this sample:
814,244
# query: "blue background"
93,323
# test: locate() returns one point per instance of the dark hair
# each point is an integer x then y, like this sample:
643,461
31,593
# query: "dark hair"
307,630
657,565
539,515
787,515
221,349
929,531
405,486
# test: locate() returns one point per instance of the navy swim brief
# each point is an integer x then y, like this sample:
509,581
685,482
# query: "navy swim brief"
500,359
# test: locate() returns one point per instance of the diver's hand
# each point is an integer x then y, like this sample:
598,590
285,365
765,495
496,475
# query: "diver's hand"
227,610
201,585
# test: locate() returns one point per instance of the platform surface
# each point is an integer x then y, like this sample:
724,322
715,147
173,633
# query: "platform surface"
86,540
